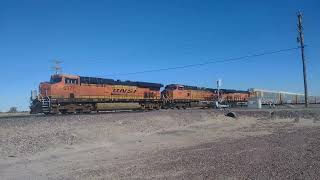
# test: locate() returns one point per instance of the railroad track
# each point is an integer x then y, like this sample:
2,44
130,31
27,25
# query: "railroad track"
238,109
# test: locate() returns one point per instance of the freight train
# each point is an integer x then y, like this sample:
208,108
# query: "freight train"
78,94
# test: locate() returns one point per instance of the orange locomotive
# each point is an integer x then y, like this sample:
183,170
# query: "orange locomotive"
234,97
69,94
182,96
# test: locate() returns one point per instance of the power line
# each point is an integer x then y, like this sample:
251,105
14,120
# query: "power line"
209,62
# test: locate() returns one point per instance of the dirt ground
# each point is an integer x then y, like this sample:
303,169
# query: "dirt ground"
165,144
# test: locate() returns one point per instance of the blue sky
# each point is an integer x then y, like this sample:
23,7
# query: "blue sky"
104,38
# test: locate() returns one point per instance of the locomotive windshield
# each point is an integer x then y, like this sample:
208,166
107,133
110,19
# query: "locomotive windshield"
55,79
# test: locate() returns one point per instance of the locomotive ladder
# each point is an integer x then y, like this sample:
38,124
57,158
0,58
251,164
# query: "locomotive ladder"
46,104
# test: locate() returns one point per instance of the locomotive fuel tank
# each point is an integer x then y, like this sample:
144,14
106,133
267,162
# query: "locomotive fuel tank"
117,106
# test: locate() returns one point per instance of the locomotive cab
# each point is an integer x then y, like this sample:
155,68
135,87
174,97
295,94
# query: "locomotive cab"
59,86
55,79
176,91
168,92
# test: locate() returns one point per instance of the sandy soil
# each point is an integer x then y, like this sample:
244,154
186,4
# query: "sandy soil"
165,144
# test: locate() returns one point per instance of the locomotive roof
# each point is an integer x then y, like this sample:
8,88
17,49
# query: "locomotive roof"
65,75
94,80
190,87
273,91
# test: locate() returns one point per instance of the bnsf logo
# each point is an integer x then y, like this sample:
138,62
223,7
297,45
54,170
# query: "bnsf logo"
122,90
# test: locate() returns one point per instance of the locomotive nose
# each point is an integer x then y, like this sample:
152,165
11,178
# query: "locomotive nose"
45,89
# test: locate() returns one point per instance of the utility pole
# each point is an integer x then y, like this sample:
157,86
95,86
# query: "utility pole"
57,66
219,82
301,41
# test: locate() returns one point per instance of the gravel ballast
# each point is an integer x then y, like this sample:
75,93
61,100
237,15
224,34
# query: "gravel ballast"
165,144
